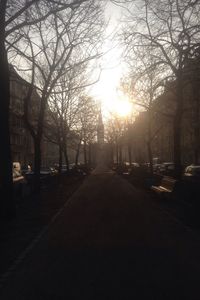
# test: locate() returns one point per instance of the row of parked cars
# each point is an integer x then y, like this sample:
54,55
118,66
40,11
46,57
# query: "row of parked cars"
23,176
27,172
191,172
166,168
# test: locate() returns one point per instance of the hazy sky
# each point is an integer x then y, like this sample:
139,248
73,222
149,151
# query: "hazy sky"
106,90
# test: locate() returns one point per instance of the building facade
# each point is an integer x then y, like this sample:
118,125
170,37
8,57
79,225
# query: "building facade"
22,148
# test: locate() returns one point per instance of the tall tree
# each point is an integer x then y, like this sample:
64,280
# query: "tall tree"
13,16
16,16
65,107
143,84
116,129
88,116
7,205
171,28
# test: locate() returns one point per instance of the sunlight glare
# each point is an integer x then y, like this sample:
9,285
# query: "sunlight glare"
122,108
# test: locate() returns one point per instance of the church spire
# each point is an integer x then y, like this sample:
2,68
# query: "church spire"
100,129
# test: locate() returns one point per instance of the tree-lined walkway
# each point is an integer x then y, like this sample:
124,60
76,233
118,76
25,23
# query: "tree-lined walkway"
109,242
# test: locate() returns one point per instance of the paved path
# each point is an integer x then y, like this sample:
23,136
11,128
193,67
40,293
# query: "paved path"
110,242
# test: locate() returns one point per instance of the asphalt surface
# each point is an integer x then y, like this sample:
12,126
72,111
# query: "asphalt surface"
109,242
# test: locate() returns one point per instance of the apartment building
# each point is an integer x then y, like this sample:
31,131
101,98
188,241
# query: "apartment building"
22,147
21,141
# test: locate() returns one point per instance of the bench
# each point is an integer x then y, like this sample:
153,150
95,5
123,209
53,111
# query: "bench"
166,186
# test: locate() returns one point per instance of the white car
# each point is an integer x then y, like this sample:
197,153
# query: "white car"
192,172
157,168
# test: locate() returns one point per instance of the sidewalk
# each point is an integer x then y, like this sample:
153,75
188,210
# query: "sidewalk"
33,214
109,242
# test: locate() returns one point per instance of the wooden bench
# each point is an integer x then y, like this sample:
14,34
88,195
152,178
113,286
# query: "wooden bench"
166,186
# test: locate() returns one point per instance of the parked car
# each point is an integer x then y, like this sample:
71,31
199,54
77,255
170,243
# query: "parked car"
16,172
114,166
157,168
25,169
192,172
64,169
167,168
191,186
135,165
146,165
19,181
44,172
132,167
16,165
71,166
53,170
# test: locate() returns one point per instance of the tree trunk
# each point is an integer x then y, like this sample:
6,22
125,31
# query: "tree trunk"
117,154
177,146
6,181
120,154
37,164
196,122
85,152
66,157
60,159
130,153
111,154
77,153
37,144
149,148
150,157
177,123
89,154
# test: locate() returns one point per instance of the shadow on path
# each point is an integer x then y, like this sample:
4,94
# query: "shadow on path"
109,243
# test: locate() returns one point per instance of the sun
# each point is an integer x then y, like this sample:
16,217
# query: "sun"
108,93
122,108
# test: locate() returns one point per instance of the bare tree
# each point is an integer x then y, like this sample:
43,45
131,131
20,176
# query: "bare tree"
171,29
143,84
54,49
15,15
88,116
64,102
116,130
65,107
